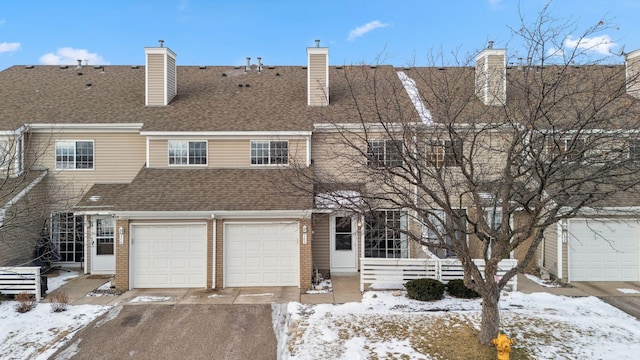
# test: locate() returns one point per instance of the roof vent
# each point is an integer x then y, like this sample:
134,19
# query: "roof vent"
259,64
247,85
224,74
317,42
134,66
161,42
95,198
277,74
247,67
202,67
79,66
64,66
29,67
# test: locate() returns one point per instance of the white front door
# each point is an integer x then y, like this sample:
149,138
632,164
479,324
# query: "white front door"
343,244
103,250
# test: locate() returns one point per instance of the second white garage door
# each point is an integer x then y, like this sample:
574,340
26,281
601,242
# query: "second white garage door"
603,250
169,256
261,254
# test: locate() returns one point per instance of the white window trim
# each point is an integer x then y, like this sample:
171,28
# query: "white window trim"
386,157
251,142
74,141
404,224
206,145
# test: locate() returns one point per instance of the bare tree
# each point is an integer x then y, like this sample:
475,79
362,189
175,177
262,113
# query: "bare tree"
482,163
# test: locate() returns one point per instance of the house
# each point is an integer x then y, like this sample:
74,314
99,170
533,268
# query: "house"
218,176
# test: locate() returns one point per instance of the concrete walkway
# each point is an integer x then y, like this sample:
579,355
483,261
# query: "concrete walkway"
80,290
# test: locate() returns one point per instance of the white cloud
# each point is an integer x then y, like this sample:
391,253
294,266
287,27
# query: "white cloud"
70,56
2,22
495,3
359,31
599,44
9,47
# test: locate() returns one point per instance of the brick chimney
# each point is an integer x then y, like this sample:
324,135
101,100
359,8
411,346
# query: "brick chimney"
491,75
160,75
318,75
632,67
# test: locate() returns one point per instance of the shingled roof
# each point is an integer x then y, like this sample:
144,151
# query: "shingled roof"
212,98
209,189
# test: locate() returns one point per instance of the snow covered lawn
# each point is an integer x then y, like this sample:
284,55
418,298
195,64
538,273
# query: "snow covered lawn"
385,326
37,334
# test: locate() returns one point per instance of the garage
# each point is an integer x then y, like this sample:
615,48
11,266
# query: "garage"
603,250
261,254
169,255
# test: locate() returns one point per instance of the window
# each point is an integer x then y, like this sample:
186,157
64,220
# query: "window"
187,152
441,221
269,152
67,234
444,153
384,153
5,154
383,234
74,155
344,233
634,150
104,236
569,150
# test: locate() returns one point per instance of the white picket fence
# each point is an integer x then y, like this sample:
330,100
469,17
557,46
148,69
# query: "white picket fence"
394,273
14,280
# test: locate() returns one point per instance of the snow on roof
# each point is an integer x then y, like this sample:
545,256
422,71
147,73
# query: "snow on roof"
340,199
414,94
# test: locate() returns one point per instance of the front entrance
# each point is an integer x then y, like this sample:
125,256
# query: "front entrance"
344,244
103,259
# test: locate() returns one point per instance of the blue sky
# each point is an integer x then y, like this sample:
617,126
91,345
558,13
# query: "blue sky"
218,32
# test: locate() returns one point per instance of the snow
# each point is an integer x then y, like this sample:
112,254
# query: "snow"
383,323
629,291
541,282
412,90
341,199
37,334
145,298
578,326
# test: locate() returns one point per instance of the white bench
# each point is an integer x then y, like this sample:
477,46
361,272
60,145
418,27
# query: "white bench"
15,280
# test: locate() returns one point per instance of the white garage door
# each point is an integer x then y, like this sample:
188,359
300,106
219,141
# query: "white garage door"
603,250
169,256
261,254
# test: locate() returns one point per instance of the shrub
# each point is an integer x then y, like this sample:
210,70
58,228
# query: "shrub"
59,301
26,302
456,288
425,289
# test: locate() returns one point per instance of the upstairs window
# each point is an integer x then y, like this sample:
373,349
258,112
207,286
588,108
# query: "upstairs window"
570,150
269,152
183,152
634,150
74,155
384,153
444,153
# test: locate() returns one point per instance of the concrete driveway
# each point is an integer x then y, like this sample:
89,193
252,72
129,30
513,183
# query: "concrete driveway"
625,295
197,331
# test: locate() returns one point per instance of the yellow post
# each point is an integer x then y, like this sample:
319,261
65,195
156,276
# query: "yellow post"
503,345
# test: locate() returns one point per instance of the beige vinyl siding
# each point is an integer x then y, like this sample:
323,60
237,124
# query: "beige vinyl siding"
318,87
551,249
118,157
156,80
320,243
171,78
226,153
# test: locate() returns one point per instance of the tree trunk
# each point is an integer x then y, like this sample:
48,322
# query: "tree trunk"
490,317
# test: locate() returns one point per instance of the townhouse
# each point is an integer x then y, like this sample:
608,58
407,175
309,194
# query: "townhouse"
230,176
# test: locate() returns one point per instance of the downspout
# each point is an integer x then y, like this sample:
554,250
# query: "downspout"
560,239
215,232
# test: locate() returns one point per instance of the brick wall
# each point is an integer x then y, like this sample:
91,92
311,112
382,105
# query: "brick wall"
306,260
122,257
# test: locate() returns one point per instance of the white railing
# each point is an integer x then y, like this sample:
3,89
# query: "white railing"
14,280
394,273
